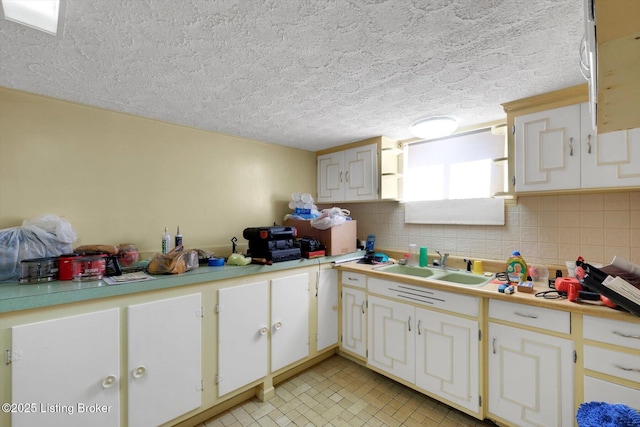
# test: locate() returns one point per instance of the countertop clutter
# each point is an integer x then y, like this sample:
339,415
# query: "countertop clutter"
539,296
14,297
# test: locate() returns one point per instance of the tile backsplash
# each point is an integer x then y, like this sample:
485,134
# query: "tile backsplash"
545,229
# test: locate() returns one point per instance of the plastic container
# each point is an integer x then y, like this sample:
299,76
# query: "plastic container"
423,256
517,268
128,254
88,268
37,270
413,254
539,273
65,265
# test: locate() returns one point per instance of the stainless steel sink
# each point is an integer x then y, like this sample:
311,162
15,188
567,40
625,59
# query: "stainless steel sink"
406,270
436,274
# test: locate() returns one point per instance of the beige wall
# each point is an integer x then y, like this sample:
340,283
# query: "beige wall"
120,178
545,229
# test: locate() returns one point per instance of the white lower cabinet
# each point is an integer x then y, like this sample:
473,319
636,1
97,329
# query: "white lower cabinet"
165,359
436,351
327,304
354,321
392,339
66,372
447,357
531,376
244,329
611,361
289,320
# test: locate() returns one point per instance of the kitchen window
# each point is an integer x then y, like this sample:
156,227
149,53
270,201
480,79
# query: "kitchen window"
452,180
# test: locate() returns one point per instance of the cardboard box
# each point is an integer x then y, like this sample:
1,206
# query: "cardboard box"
339,240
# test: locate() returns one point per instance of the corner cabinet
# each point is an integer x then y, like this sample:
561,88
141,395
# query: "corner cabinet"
252,316
556,148
354,319
365,171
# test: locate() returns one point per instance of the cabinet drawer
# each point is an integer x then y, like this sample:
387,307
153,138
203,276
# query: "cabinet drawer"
597,390
354,279
617,332
543,318
611,362
462,304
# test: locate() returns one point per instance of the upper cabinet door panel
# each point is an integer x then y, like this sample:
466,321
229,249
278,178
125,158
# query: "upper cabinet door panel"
609,159
330,177
547,150
361,173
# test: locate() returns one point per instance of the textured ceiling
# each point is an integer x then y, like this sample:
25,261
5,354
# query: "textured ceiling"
305,73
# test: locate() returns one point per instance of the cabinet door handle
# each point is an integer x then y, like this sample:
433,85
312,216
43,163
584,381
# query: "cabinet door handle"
340,176
353,279
346,176
409,323
109,381
623,335
277,325
362,306
263,330
493,344
530,316
419,328
139,372
571,146
627,369
589,144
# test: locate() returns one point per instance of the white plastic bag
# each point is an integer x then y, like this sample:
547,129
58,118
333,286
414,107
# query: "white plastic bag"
329,218
45,236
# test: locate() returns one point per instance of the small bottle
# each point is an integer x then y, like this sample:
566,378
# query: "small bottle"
516,268
166,241
178,238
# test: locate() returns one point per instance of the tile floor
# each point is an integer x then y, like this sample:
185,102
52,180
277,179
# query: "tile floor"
339,392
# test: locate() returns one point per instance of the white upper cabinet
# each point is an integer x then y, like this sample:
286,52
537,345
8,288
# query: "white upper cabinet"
349,175
609,159
548,150
558,149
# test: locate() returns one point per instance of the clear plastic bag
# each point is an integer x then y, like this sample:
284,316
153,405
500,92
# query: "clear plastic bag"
174,262
46,236
330,218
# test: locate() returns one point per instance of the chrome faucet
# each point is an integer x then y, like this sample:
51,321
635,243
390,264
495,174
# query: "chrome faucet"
443,260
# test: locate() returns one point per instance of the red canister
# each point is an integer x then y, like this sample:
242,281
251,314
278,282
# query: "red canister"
91,267
65,266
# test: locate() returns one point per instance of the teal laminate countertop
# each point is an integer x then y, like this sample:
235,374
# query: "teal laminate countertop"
14,296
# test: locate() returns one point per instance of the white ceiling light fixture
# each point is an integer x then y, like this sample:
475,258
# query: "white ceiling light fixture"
43,15
434,127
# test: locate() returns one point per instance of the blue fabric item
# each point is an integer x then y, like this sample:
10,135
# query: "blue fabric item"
601,414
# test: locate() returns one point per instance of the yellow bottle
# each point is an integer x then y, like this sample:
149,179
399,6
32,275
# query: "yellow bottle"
516,268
